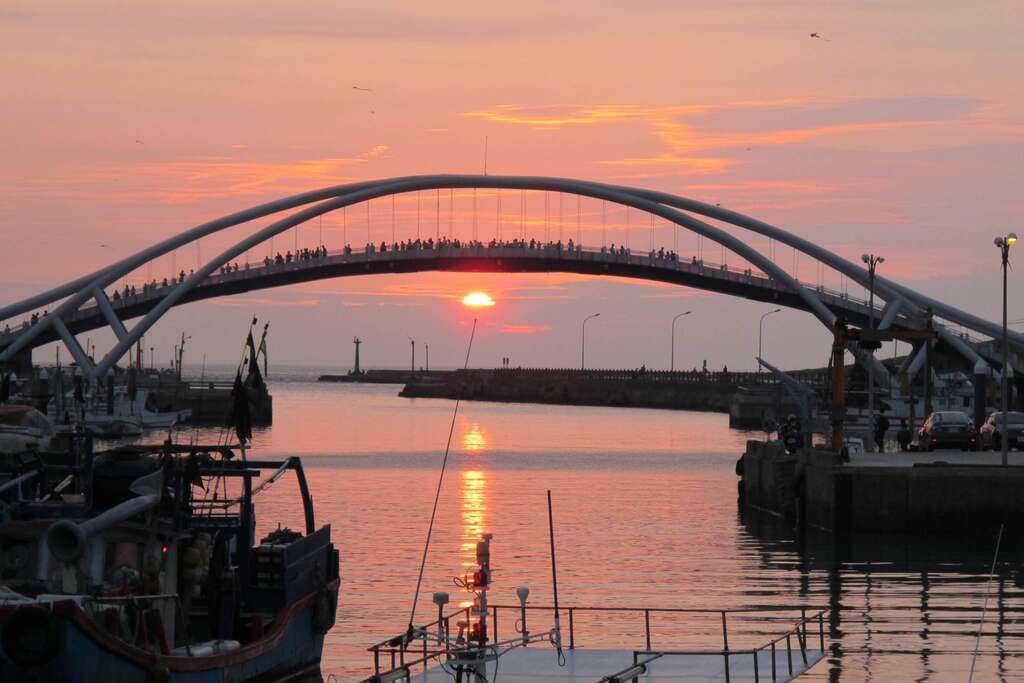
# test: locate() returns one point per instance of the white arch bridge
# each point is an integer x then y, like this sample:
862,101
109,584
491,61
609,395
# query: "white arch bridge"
84,303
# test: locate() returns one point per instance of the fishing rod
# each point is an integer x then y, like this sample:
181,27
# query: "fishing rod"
557,633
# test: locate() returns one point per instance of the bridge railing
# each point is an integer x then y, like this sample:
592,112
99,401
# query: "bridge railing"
154,290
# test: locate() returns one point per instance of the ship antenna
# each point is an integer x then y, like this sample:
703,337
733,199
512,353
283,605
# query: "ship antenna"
554,584
984,604
437,494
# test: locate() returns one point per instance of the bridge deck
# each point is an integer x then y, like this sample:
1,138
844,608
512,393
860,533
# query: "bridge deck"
485,258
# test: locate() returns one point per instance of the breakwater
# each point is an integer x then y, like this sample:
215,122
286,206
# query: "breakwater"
884,493
705,391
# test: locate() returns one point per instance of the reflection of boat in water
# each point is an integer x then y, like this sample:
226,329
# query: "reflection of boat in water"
143,566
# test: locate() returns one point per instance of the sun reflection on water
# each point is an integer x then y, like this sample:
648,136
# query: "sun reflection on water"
474,518
474,440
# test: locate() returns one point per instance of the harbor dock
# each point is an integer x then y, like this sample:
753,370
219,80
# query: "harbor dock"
888,492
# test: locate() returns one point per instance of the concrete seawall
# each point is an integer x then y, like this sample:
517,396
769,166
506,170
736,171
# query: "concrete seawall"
816,488
680,391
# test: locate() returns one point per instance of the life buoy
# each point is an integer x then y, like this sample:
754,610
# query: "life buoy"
31,636
325,609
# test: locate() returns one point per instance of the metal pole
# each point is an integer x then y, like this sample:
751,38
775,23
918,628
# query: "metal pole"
672,357
871,375
760,331
1005,442
583,341
427,347
872,262
412,363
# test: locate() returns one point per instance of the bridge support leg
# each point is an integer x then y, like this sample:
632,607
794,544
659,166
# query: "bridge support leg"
889,313
108,312
77,352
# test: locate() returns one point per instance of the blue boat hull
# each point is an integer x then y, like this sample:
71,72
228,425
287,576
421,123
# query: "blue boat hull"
291,650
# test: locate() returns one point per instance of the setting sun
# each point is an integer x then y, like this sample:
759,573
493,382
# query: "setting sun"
477,300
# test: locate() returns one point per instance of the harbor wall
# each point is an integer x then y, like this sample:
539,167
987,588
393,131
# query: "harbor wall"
815,488
620,388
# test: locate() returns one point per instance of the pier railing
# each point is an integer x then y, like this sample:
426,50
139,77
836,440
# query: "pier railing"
805,632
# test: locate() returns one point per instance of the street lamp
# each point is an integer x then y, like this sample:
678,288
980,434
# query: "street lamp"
1004,244
583,340
760,334
672,361
412,363
871,261
426,346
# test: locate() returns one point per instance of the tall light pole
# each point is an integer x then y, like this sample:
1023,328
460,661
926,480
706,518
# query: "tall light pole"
1004,244
426,346
871,261
760,333
583,340
412,363
672,357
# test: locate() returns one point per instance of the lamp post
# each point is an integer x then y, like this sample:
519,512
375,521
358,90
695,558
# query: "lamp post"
872,262
426,347
583,340
412,363
1004,243
672,357
760,333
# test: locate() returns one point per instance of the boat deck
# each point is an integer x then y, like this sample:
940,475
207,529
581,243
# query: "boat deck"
540,665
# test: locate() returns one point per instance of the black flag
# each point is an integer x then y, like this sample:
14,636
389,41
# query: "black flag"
254,365
240,418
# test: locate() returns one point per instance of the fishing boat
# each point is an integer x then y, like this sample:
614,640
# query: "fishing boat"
122,414
141,565
23,428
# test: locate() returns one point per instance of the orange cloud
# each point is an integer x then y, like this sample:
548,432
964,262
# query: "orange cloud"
525,329
192,180
264,301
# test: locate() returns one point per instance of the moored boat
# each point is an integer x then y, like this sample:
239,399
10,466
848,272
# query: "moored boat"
141,564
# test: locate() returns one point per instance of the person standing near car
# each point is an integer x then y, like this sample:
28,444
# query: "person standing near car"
903,436
881,427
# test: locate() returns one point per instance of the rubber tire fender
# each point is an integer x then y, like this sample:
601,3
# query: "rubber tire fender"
31,636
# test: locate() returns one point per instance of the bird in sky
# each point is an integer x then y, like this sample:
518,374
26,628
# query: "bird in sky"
818,35
139,142
356,87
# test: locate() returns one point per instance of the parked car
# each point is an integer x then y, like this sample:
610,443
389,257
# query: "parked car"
946,429
991,433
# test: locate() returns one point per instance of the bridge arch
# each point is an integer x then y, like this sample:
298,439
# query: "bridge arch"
669,207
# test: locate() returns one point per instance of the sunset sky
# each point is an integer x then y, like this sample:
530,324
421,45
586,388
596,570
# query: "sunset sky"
900,131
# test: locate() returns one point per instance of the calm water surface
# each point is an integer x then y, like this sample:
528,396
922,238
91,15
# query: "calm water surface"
646,515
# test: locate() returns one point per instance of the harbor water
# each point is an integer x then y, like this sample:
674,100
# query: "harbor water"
646,515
